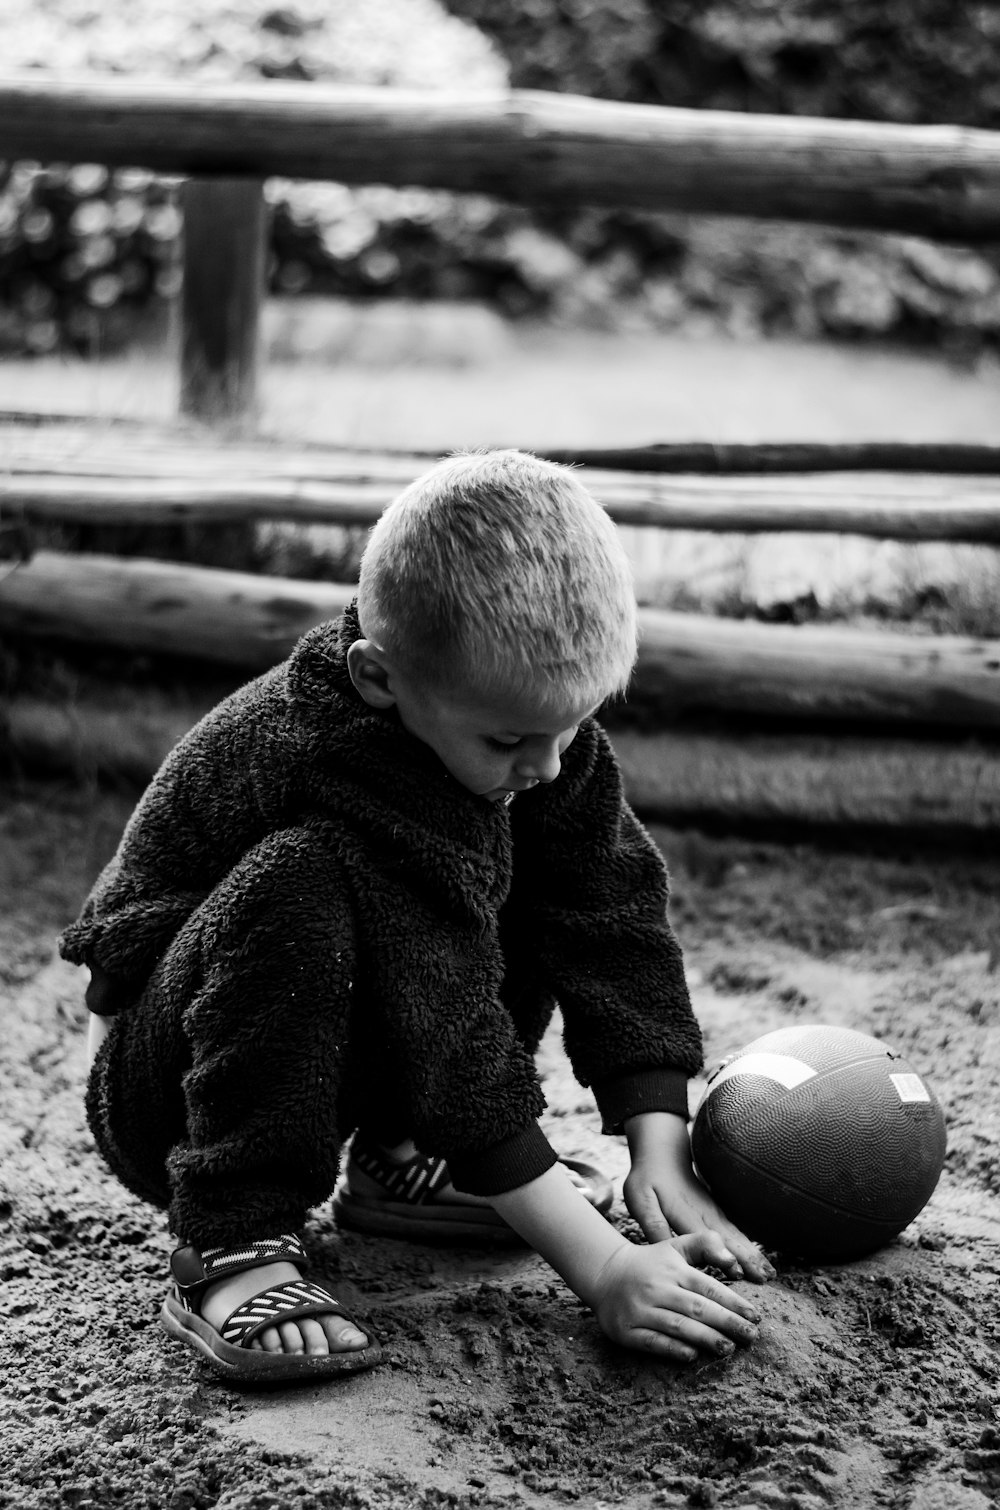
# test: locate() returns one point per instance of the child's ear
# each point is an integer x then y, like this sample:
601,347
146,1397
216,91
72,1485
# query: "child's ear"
369,671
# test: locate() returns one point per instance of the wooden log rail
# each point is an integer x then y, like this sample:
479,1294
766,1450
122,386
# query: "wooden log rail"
938,181
527,146
688,663
879,506
764,458
21,429
140,475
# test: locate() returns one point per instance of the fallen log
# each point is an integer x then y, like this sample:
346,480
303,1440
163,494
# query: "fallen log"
158,607
766,783
915,508
695,663
837,783
689,663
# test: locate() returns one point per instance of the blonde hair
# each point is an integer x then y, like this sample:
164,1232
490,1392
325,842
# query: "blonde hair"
496,568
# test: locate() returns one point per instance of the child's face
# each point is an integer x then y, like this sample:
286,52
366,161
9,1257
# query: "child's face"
493,745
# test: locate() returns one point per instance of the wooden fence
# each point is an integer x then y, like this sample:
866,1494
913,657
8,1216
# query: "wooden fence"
530,147
934,181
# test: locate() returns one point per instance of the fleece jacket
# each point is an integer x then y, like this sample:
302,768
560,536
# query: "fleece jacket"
309,925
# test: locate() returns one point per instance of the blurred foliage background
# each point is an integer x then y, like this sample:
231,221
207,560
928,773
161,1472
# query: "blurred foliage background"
87,256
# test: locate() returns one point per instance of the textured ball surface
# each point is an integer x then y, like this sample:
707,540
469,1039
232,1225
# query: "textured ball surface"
820,1142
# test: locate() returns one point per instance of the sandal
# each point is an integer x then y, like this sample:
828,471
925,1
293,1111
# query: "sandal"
409,1208
228,1350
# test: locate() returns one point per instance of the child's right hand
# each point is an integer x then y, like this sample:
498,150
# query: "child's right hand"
652,1298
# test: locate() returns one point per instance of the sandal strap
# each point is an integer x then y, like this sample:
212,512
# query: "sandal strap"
410,1181
298,1297
266,1250
194,1269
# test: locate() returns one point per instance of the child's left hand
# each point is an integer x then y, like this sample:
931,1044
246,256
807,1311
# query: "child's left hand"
665,1196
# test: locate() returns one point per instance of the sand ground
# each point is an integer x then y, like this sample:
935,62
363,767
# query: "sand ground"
875,1383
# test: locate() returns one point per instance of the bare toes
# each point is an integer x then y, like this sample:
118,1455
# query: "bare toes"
291,1337
314,1336
343,1336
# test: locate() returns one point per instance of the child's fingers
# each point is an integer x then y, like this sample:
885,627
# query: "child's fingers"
713,1292
697,1335
646,1210
701,1248
652,1341
653,1299
670,1274
703,1318
746,1254
697,1311
756,1265
692,1322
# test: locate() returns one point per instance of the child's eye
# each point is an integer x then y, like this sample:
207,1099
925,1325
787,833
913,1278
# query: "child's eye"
502,744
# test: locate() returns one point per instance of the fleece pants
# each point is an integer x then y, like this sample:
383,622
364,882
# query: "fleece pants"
225,1093
234,1127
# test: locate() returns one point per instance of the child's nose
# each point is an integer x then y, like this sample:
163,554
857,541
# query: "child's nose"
541,764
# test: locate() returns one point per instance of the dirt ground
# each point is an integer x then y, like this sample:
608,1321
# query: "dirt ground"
873,1384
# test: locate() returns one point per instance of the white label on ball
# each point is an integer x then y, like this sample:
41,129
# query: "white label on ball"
910,1087
787,1071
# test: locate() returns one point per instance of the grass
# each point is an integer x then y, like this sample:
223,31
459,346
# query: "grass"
405,375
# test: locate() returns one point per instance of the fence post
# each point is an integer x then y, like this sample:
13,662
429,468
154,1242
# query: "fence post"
225,249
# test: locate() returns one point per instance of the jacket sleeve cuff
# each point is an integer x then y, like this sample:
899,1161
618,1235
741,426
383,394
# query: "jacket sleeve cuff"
629,1095
505,1165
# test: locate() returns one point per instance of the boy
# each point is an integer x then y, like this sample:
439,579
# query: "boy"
348,903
